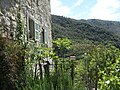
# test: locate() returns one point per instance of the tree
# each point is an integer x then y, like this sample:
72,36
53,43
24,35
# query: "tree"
61,46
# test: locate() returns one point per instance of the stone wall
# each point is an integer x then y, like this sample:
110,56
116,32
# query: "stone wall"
36,10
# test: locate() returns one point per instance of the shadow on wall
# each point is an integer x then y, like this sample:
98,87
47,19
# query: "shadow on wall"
7,4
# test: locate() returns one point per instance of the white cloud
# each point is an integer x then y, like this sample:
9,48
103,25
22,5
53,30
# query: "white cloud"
78,3
106,9
103,9
58,8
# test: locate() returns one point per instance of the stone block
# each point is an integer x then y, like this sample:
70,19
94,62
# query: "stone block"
1,14
6,21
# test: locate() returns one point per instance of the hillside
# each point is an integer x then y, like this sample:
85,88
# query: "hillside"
112,26
85,31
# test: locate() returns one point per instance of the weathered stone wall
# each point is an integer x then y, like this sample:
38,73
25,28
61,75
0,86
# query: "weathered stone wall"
37,10
8,11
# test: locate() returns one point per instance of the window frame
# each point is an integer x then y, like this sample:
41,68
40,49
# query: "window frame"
31,29
37,32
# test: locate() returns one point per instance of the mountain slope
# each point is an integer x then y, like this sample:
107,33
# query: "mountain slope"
82,32
112,26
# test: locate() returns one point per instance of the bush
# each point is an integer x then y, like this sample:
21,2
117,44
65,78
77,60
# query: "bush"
11,63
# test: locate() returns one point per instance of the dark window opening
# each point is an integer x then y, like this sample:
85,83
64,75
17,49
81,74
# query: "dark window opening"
31,29
42,36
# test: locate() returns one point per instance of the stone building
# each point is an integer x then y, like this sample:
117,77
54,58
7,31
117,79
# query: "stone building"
36,19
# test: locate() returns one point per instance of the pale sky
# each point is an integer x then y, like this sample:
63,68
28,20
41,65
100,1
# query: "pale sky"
87,9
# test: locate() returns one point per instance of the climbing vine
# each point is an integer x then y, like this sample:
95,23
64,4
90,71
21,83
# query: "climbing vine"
20,27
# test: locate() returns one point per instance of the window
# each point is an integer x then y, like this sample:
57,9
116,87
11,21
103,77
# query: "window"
46,35
31,29
34,30
42,36
37,32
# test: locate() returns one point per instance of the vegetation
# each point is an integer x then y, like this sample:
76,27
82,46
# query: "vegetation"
112,26
62,46
82,32
12,58
97,62
82,59
11,64
93,70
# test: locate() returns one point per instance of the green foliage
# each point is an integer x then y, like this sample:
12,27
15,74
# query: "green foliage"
110,76
112,26
101,67
62,45
82,32
97,66
19,28
91,70
12,58
11,63
57,80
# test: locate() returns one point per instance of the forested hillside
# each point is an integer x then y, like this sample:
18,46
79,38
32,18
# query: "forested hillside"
86,31
112,26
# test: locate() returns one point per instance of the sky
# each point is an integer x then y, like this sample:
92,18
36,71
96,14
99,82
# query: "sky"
87,9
